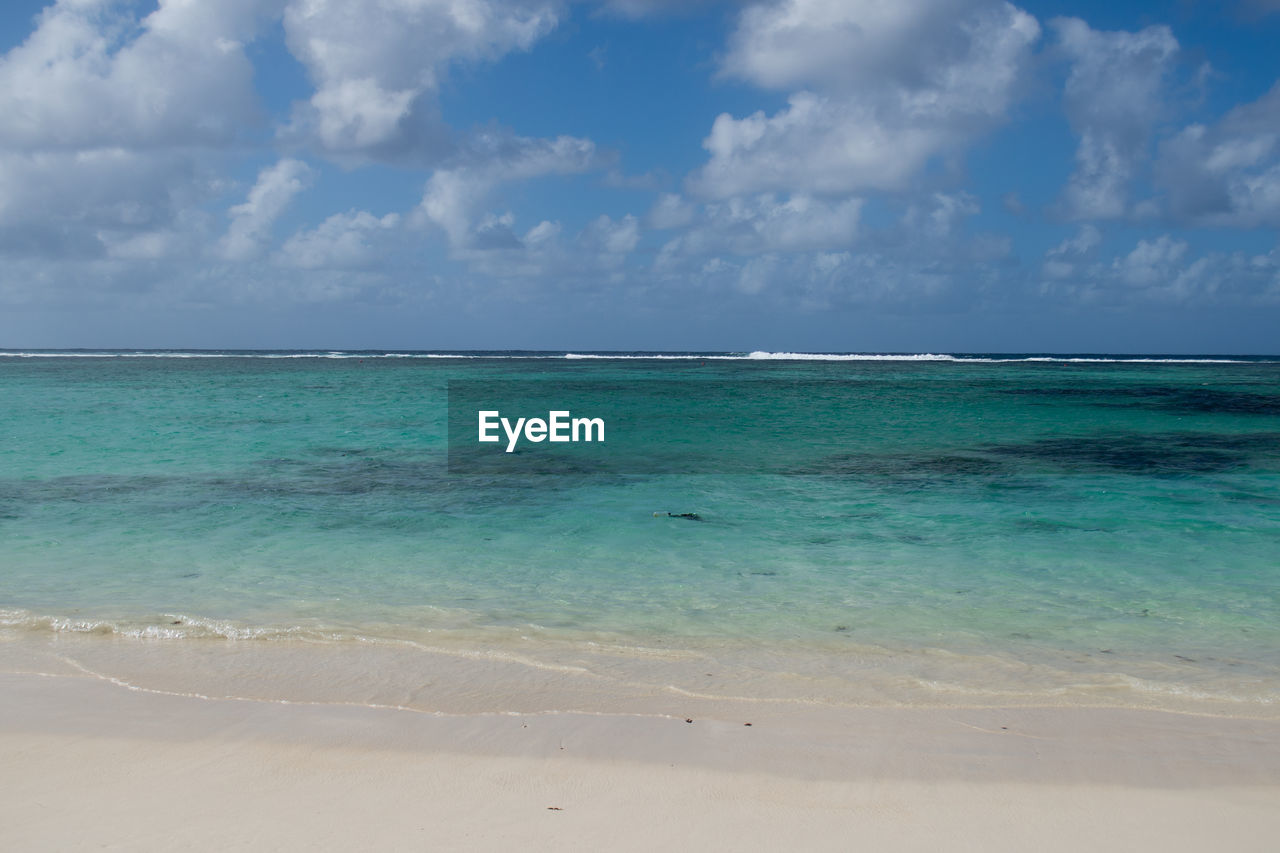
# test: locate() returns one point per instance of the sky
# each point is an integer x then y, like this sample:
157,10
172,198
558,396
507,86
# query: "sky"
787,175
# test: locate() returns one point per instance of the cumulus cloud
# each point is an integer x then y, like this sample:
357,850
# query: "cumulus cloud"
670,211
1227,174
592,258
89,76
941,216
251,221
820,281
816,144
122,119
766,223
1159,269
1114,95
454,196
112,124
817,254
1151,261
1064,260
615,240
377,66
831,44
650,8
56,203
343,241
877,90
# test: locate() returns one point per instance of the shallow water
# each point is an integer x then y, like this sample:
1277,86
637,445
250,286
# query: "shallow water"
930,523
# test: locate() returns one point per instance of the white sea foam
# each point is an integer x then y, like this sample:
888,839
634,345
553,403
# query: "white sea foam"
819,356
655,356
168,627
1064,359
757,355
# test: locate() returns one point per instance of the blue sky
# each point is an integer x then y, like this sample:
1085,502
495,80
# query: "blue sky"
847,175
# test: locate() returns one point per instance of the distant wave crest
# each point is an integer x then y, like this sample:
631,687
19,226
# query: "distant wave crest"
757,355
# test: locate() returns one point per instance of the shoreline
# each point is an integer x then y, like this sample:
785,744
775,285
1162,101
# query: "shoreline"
1028,744
508,670
89,763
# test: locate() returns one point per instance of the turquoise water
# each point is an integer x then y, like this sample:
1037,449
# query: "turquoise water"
1090,516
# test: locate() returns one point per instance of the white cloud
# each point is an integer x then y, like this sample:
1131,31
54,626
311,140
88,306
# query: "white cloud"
458,199
650,8
454,196
670,211
1151,261
848,43
878,90
1158,270
941,216
816,254
359,114
758,273
816,144
615,240
1083,245
89,76
91,189
765,223
183,237
251,222
377,66
1114,95
821,281
343,241
118,119
1227,174
113,124
1064,260
593,258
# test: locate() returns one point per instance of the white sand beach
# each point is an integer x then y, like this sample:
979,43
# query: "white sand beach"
86,763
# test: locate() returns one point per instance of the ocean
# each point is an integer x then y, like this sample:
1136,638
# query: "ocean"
819,528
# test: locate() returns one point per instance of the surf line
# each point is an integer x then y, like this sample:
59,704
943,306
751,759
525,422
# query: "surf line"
559,425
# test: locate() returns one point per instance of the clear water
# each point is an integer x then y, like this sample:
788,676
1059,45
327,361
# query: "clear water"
1053,523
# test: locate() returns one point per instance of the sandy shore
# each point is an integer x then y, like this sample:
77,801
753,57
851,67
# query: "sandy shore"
86,763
